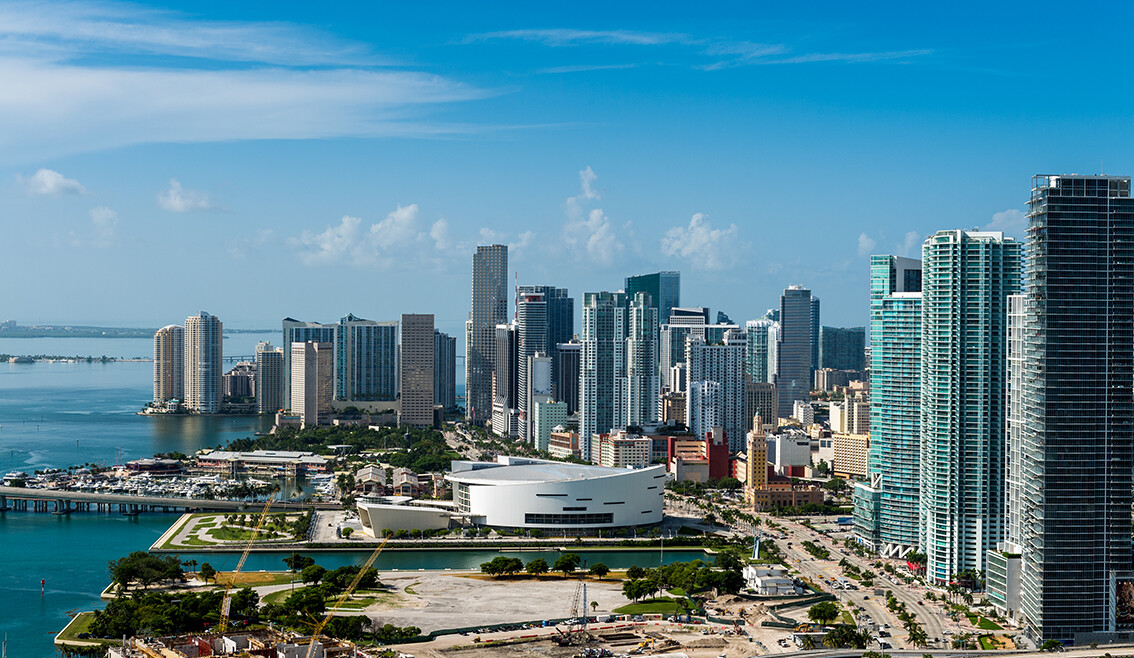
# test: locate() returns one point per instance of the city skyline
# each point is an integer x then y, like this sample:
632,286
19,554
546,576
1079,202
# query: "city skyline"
538,131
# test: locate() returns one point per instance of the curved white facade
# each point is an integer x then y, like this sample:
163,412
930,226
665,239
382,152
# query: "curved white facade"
532,493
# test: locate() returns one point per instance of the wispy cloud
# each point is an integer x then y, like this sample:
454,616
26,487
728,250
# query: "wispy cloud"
582,68
228,81
910,245
102,233
717,52
83,26
866,244
179,199
48,182
588,231
570,37
1013,222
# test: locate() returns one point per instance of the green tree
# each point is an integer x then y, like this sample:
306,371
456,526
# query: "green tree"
297,562
635,572
835,485
1052,645
599,570
312,573
823,612
207,572
567,563
537,567
347,532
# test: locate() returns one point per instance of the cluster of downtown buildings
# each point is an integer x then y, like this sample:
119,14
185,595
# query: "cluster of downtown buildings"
1002,418
404,367
640,360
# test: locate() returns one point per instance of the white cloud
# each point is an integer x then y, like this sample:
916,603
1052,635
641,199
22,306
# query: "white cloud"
397,239
440,234
571,37
589,232
48,182
227,81
331,245
704,246
104,223
1012,222
866,244
910,245
179,199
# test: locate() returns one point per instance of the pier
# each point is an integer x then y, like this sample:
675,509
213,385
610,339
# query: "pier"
59,501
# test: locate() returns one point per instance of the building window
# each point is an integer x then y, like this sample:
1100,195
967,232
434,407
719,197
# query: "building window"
569,519
617,502
574,509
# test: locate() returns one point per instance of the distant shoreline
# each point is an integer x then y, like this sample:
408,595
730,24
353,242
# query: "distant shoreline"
102,332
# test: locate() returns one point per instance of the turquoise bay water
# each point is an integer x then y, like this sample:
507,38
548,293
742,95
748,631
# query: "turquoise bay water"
64,414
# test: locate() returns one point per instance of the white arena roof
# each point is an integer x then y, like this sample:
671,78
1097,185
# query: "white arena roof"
528,472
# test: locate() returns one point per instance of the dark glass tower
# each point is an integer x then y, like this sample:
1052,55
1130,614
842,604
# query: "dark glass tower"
1077,408
664,289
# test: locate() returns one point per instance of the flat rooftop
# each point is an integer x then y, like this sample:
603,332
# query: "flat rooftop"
529,472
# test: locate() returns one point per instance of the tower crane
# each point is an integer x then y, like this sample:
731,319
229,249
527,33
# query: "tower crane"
226,602
345,595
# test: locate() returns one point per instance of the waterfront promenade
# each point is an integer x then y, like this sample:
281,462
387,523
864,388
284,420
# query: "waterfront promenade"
61,501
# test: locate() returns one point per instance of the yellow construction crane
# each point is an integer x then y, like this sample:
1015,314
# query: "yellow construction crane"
226,602
345,595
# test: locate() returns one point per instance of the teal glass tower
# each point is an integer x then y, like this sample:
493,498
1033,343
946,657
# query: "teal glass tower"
967,277
886,505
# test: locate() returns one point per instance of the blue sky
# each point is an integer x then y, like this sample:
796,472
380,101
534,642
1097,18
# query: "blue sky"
260,160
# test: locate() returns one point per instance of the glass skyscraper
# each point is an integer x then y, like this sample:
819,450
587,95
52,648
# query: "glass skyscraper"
842,348
664,289
886,505
366,360
489,308
1076,411
798,314
966,280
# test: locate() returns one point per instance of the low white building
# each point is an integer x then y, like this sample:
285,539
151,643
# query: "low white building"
769,580
516,492
402,513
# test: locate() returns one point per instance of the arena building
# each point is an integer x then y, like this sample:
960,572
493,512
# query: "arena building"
516,492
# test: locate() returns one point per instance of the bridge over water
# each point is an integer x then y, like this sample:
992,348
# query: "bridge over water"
61,501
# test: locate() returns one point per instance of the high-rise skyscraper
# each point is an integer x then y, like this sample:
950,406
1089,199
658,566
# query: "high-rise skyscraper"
886,506
1073,413
444,370
716,376
537,390
793,370
296,331
531,338
269,378
566,374
842,348
169,363
602,364
489,308
204,337
756,356
366,354
815,324
640,385
555,310
664,289
416,387
967,277
506,390
312,381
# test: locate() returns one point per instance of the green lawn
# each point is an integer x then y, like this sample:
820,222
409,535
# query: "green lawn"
986,643
662,605
987,624
82,624
677,591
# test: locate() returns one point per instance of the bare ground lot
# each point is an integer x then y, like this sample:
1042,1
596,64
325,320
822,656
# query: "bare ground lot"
434,600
